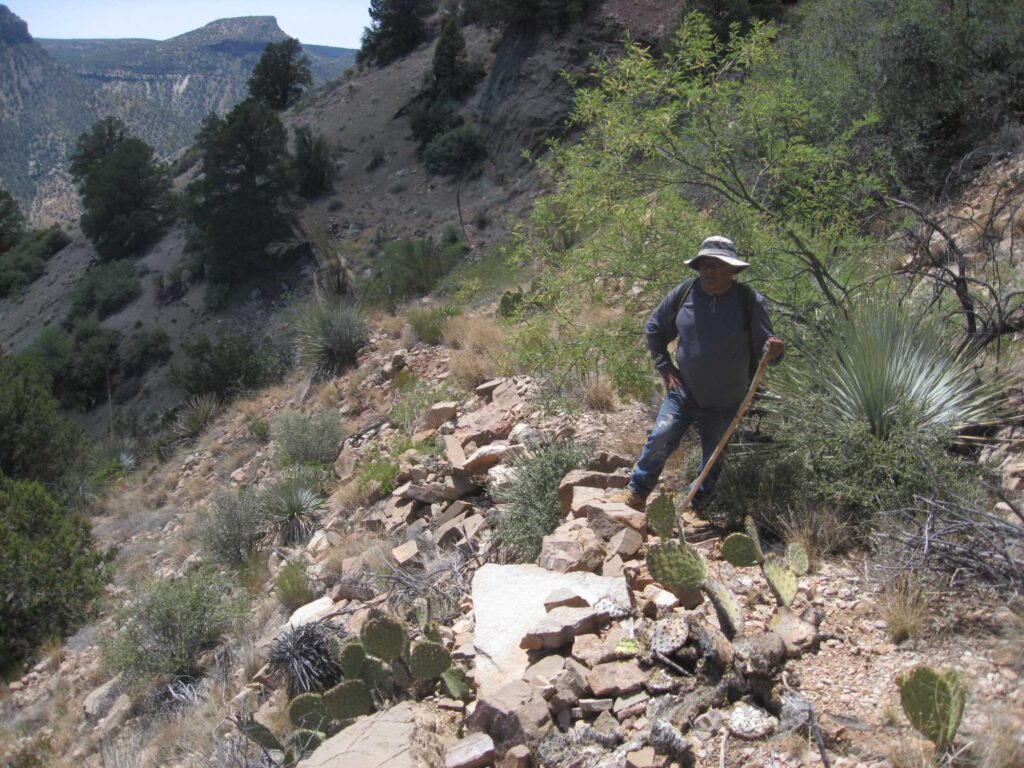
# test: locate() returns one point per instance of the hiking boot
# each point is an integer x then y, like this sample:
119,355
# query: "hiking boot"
631,499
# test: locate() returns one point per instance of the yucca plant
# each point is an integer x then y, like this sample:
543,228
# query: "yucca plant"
328,336
303,653
291,508
887,365
195,416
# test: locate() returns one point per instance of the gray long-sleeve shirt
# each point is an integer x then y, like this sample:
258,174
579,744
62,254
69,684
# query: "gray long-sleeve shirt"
715,342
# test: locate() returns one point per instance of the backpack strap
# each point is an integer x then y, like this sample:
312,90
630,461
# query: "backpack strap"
748,302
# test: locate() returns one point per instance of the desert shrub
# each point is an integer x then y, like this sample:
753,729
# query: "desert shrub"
414,400
328,336
195,416
105,289
377,474
428,323
26,259
532,510
431,115
407,268
532,13
292,585
458,152
303,655
114,456
291,508
234,363
479,349
12,222
38,442
144,350
904,606
314,163
598,394
231,531
82,364
164,628
259,430
478,279
49,574
308,439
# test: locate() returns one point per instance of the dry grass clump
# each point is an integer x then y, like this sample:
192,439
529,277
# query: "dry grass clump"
385,322
1002,743
479,346
599,395
820,530
911,753
374,546
904,606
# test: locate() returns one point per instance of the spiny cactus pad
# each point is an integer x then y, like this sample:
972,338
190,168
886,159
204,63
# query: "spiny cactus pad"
428,660
740,550
456,684
669,635
351,657
661,516
347,700
384,638
306,740
375,673
780,578
307,711
933,701
677,567
796,557
730,618
751,528
259,733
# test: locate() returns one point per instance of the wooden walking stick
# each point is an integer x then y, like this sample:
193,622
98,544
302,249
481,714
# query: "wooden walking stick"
754,384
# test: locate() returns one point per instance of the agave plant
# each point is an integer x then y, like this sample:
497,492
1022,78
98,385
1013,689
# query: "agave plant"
327,337
195,416
885,365
291,507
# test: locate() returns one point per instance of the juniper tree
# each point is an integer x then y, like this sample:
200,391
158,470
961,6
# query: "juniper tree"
280,75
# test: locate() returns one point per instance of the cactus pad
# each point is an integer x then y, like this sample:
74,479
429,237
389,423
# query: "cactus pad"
751,528
933,701
730,618
456,684
780,578
306,740
669,635
307,711
796,557
259,733
384,638
428,660
661,516
740,550
347,700
677,567
375,673
351,657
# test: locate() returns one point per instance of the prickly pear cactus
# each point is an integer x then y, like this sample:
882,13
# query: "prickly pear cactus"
428,660
375,673
306,740
661,516
740,550
751,528
669,635
347,700
259,733
933,701
780,578
384,638
730,618
677,567
456,684
796,558
307,711
351,656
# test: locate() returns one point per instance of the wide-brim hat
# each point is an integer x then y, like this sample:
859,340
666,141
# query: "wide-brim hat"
721,248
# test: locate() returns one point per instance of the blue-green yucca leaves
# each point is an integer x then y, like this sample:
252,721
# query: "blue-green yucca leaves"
328,336
292,507
887,365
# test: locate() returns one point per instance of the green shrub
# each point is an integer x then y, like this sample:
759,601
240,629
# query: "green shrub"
396,27
104,289
293,587
291,508
541,14
12,222
234,363
112,457
164,628
82,363
281,74
26,260
308,439
232,529
195,416
532,510
458,152
328,336
259,430
428,323
314,163
408,268
144,350
431,115
49,575
377,473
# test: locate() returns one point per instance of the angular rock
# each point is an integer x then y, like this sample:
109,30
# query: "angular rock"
98,703
428,493
311,612
797,635
516,757
625,543
514,714
508,600
612,566
616,678
543,674
485,457
570,685
566,598
500,477
119,713
383,740
631,705
453,451
571,547
524,434
581,496
492,422
561,626
641,758
345,464
580,478
450,531
405,553
606,461
439,413
749,722
457,485
609,517
589,649
474,751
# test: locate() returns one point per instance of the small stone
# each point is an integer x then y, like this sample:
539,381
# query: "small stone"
405,553
544,673
594,706
516,757
562,626
642,758
749,722
474,751
616,678
439,413
625,543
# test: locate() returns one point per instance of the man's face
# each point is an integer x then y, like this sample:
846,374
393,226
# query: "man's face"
715,276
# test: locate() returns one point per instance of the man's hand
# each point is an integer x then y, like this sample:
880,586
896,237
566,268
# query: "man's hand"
774,347
672,378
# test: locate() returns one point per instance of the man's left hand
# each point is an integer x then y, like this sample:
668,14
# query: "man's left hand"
774,347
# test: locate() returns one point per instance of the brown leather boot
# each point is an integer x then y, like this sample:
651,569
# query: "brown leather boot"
631,499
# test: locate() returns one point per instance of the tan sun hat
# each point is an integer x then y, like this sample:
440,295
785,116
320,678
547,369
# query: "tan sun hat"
721,248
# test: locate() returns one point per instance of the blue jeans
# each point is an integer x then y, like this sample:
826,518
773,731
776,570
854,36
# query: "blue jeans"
677,413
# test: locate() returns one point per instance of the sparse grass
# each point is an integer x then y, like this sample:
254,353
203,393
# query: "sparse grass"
310,440
911,753
293,586
904,606
258,430
479,348
409,409
428,323
599,395
353,544
385,322
820,530
252,575
1001,744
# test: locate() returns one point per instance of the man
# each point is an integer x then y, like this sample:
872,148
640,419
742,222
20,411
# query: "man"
723,328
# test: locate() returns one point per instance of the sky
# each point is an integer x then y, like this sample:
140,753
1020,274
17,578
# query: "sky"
316,22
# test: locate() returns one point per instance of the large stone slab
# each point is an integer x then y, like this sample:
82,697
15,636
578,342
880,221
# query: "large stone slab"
508,600
383,740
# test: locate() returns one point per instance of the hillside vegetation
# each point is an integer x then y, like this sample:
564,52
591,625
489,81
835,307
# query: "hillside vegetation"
382,517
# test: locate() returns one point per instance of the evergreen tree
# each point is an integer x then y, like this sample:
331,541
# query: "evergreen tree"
450,52
12,223
125,194
280,75
396,27
236,204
